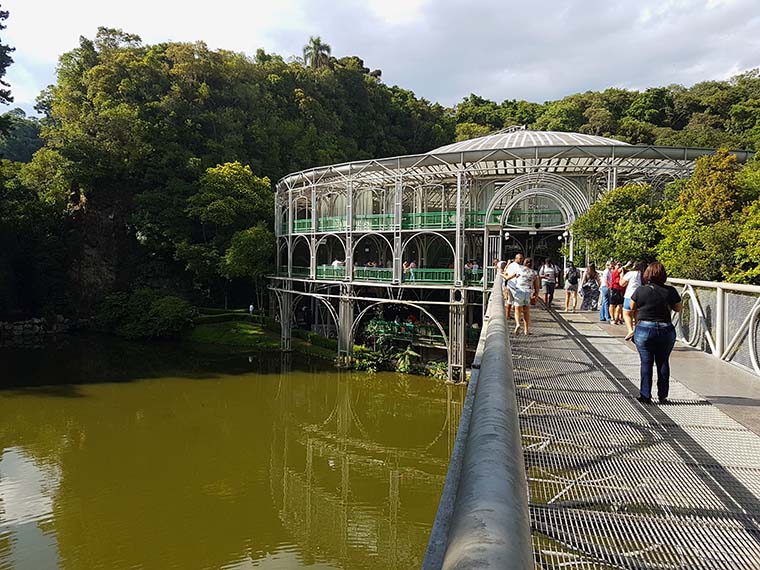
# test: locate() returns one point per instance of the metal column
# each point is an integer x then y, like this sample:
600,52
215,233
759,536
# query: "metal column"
457,348
459,240
346,321
397,216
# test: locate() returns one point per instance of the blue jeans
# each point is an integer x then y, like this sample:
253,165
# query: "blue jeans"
655,342
604,310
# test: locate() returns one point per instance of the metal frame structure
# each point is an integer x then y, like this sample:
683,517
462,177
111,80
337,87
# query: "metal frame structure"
722,319
458,202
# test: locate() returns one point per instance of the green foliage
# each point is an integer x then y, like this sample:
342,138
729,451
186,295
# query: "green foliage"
23,136
35,248
467,131
372,361
404,359
324,342
746,268
437,369
145,313
699,230
622,224
5,61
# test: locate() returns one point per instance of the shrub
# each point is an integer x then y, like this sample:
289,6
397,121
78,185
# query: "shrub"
142,314
324,342
437,369
372,360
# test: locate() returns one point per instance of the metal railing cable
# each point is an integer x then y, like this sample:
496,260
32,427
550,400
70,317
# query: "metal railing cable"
483,519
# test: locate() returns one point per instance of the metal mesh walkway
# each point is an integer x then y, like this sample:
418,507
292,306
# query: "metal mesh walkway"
616,484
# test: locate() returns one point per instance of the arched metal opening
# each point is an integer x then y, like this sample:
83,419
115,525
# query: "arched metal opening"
330,257
302,212
429,256
567,202
373,258
331,211
373,208
434,321
315,314
300,256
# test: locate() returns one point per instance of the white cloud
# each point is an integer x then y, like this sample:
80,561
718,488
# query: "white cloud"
441,50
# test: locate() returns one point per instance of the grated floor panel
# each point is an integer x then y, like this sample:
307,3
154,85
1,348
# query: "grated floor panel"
616,484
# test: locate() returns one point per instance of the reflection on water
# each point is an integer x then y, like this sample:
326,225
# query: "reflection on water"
185,461
26,509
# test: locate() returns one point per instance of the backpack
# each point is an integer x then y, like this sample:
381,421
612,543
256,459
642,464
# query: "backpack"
572,275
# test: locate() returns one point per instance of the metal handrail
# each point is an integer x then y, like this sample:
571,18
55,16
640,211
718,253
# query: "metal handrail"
483,519
710,326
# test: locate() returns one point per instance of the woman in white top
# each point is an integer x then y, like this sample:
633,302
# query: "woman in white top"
632,281
525,292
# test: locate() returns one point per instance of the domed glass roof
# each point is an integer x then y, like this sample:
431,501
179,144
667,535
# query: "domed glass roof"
523,138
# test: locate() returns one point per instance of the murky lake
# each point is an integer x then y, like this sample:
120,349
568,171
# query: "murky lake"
128,456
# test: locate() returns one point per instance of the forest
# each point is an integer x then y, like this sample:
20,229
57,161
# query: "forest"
151,166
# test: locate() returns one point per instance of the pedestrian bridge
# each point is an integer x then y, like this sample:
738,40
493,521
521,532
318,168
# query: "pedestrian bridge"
556,465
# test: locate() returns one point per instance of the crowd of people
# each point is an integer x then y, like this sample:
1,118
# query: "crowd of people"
634,294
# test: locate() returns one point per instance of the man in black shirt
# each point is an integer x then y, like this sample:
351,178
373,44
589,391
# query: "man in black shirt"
655,336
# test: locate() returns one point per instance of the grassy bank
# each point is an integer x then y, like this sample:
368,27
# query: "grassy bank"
250,336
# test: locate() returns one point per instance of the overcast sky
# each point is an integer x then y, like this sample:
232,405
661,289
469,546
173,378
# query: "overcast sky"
442,50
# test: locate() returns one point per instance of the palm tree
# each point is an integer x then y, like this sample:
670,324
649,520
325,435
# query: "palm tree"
316,54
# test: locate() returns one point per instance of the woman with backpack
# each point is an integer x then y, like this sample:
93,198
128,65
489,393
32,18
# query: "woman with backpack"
572,276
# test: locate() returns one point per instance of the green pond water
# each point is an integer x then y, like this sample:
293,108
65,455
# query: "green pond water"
157,456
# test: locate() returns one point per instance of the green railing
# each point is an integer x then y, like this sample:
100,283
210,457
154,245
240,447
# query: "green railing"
300,271
301,226
473,276
477,219
426,275
430,220
331,223
330,272
373,222
373,274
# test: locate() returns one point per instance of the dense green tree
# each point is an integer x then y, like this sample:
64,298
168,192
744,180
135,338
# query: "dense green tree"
564,115
700,230
250,256
22,138
5,61
621,225
466,131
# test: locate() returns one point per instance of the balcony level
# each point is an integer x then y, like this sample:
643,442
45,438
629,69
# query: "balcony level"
428,220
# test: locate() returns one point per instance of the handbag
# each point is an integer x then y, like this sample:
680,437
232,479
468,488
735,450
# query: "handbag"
533,299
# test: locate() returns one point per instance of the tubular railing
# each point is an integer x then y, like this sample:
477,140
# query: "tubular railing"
722,319
483,519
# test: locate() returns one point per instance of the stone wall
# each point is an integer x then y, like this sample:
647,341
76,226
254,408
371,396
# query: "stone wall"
32,331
